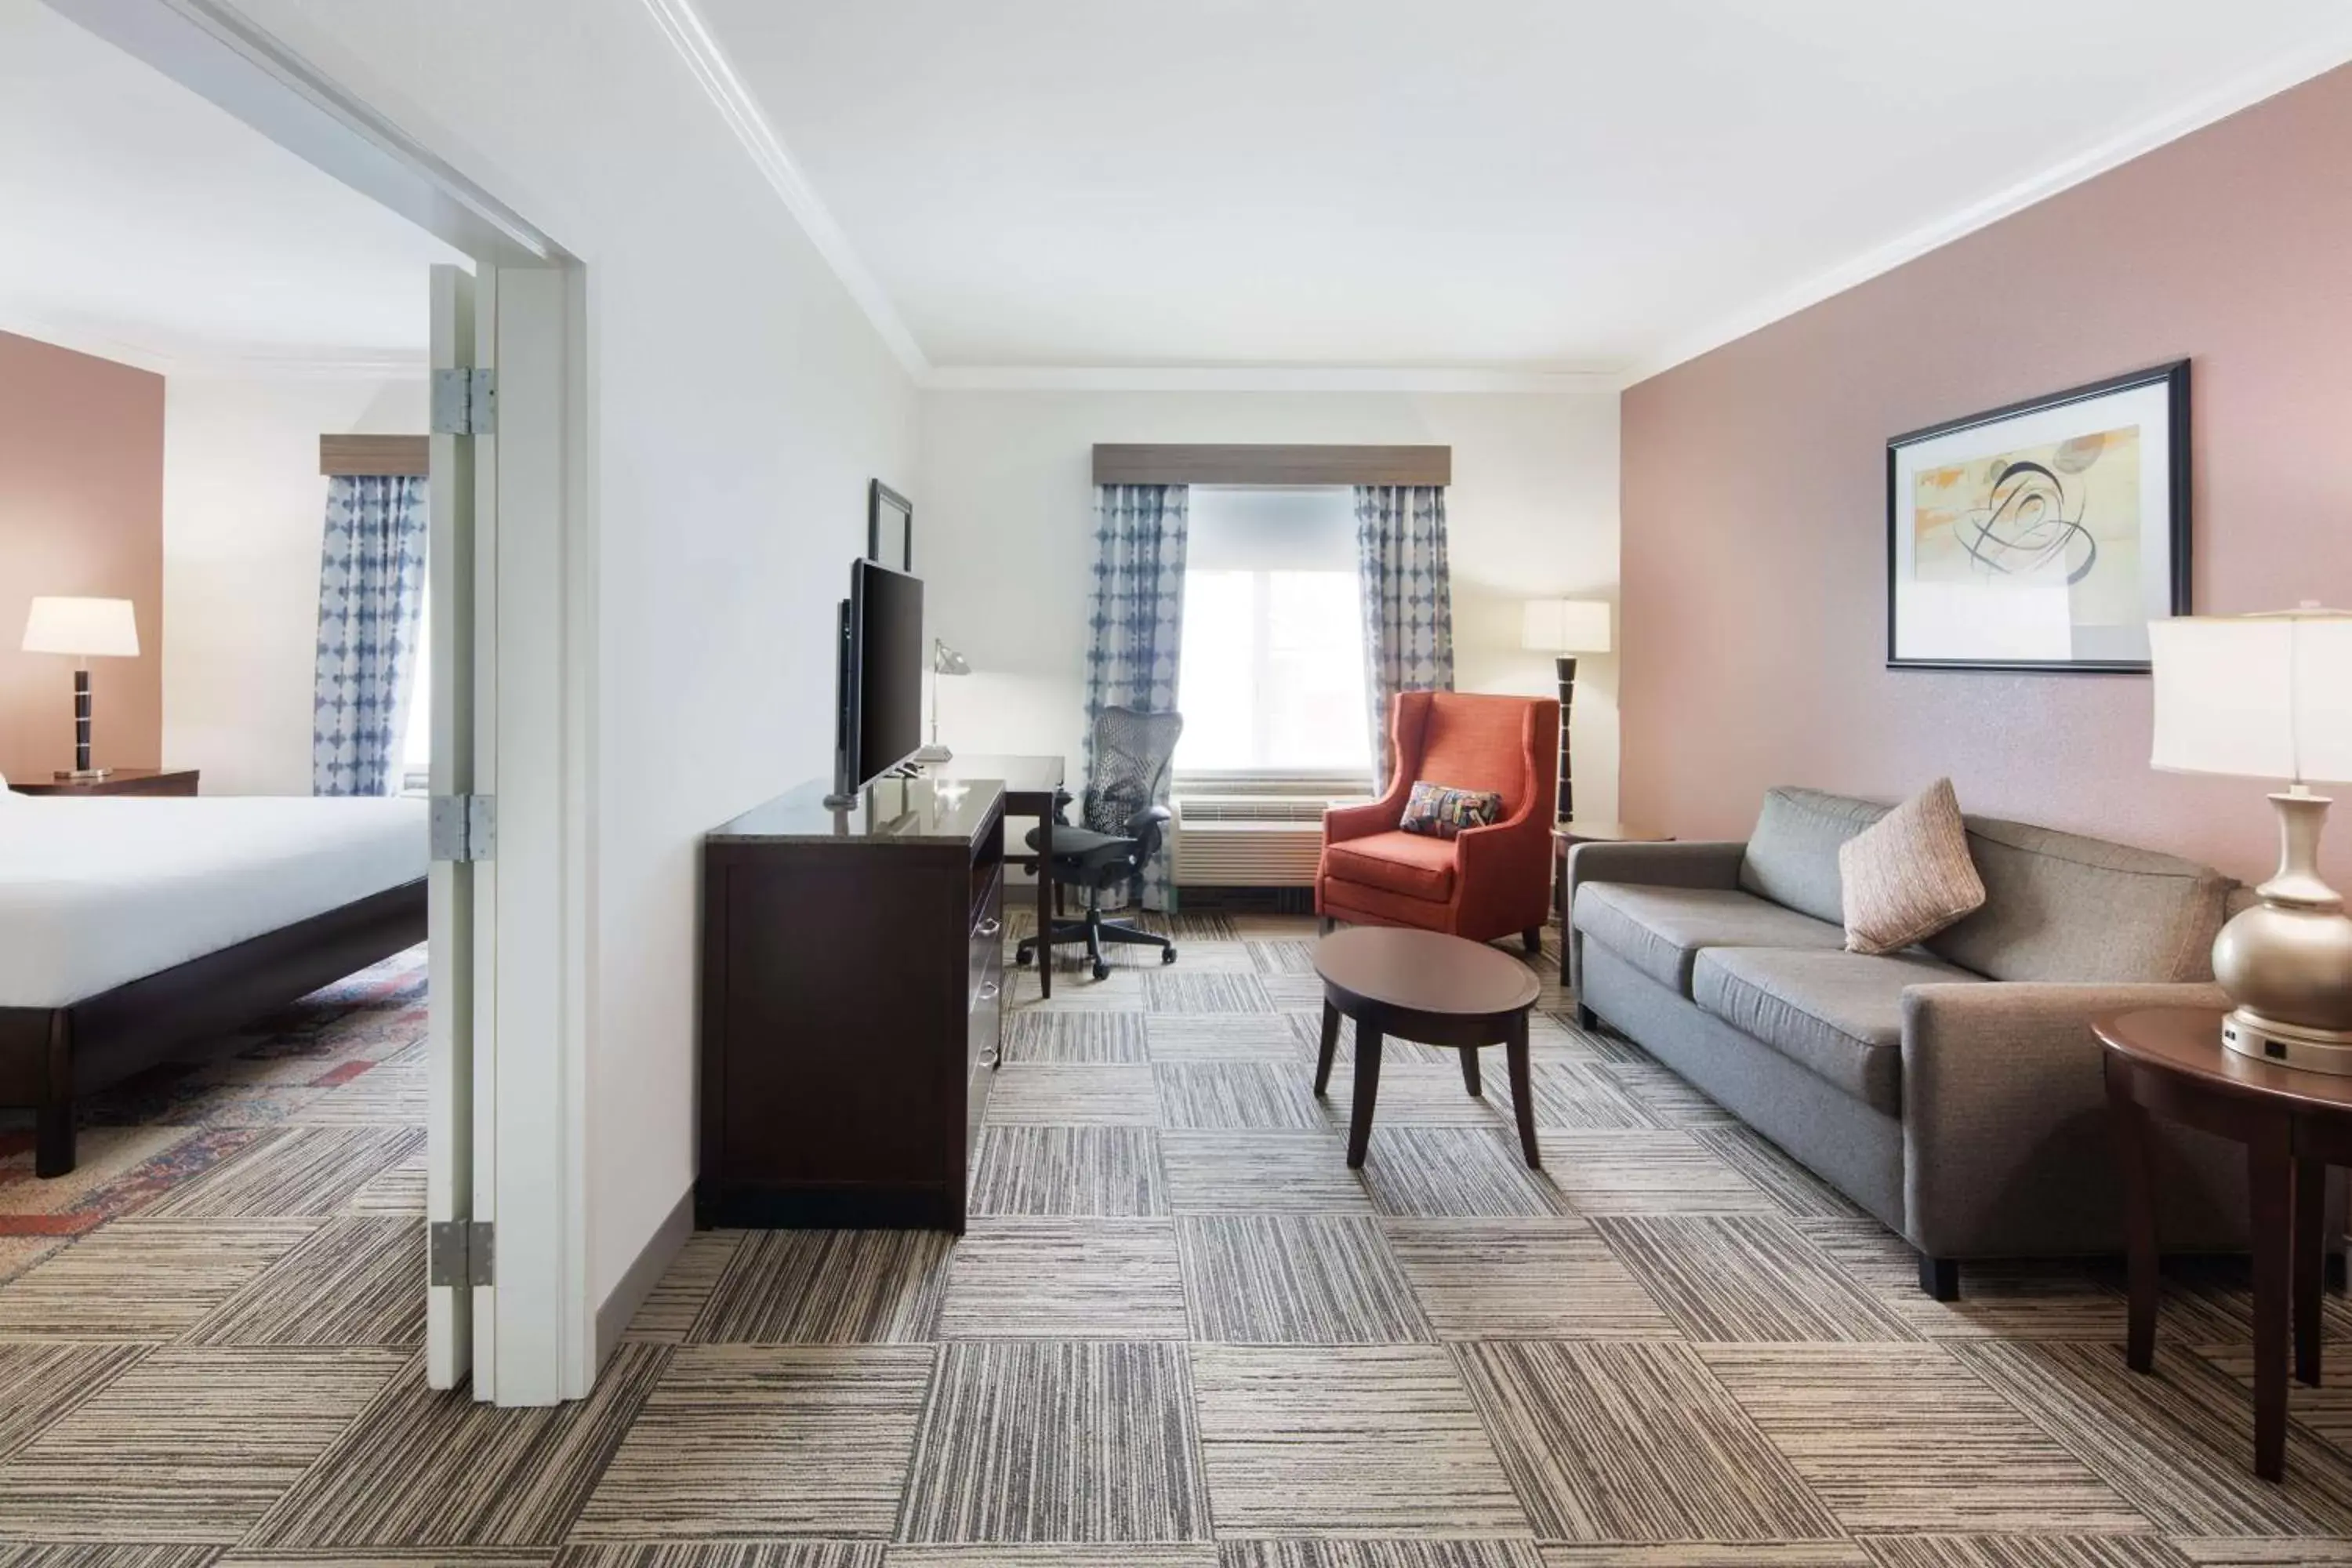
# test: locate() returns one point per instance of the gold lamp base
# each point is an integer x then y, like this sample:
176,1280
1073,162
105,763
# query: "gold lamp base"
2287,961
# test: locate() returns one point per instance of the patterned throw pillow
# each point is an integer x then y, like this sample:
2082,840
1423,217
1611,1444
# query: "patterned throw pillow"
1908,875
1442,813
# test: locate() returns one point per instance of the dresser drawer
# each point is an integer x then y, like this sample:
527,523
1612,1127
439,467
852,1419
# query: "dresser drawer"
985,957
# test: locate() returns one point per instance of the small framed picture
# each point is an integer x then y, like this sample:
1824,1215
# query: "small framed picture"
889,527
2045,535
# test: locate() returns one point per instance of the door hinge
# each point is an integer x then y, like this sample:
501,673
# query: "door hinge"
465,402
461,1253
465,827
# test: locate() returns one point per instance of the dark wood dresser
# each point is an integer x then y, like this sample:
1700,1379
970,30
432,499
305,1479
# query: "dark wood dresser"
853,975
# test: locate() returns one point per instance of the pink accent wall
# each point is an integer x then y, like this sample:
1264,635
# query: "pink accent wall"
81,512
1754,503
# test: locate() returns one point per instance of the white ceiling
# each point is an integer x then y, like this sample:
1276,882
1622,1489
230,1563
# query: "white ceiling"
1493,184
139,221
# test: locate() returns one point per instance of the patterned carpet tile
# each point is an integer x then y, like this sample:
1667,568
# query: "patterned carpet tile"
1283,957
188,1446
1097,1039
1469,1171
1317,1553
42,1383
749,1441
25,1554
354,1281
1198,1036
670,1308
1295,1279
2174,1444
1307,1030
2325,1412
1898,1438
1347,1441
1745,1277
1712,1554
1230,1095
1051,1094
397,1189
421,1469
1662,1091
1434,1096
1797,1191
385,1095
829,1288
1634,1440
2260,1551
2024,1552
1522,1280
1102,1173
292,1171
1261,1172
1030,1279
1057,1441
1129,1556
2020,1300
118,1170
143,1279
726,1554
1575,1096
1174,990
1647,1172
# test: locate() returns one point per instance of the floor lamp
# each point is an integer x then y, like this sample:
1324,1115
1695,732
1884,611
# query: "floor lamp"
1564,629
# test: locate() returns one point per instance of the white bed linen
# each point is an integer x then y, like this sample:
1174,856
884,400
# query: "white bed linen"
94,892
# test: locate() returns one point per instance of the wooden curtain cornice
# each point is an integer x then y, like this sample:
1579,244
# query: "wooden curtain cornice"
1267,464
374,455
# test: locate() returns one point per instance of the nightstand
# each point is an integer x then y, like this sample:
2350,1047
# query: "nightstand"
121,781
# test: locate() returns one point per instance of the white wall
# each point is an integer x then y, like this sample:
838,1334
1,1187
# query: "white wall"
244,510
1003,525
741,402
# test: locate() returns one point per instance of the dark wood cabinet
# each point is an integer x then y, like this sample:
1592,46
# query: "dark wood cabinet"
852,976
121,781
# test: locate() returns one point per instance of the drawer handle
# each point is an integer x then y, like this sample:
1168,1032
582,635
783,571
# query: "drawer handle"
988,926
988,1057
987,991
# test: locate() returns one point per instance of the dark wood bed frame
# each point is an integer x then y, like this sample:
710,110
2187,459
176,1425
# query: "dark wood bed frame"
48,1056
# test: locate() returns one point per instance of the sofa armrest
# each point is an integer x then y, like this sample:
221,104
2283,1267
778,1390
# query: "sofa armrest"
1698,863
2006,1143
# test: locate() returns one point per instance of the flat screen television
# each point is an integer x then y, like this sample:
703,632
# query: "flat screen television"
881,683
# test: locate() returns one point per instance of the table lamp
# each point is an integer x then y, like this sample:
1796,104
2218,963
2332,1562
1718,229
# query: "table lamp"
1564,629
945,660
88,629
2269,697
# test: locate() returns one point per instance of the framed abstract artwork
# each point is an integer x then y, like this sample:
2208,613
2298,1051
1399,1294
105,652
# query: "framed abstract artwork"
889,527
2045,535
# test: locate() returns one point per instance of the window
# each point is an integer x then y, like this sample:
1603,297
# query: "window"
1272,678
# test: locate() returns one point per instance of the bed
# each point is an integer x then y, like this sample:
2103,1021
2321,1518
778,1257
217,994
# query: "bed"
131,928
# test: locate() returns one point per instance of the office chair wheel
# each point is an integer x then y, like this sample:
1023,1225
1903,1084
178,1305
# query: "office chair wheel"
1102,971
1167,955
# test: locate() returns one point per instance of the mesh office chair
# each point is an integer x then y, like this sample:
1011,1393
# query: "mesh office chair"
1133,752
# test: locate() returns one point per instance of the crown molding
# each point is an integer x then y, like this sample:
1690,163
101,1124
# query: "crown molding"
683,26
2289,68
1263,378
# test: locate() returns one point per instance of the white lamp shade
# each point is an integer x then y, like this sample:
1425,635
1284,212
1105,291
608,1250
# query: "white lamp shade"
89,628
2255,696
1566,626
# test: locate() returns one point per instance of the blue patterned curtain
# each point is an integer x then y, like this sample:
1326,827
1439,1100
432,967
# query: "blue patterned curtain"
1408,599
1137,622
371,588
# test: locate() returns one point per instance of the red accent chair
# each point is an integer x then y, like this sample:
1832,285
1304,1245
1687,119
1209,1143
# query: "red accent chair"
1485,883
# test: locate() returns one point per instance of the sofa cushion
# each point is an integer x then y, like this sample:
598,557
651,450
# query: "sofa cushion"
1414,864
2062,906
1791,857
1907,876
1661,931
1838,1014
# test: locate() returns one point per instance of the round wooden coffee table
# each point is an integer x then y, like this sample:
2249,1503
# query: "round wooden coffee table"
2170,1062
1436,989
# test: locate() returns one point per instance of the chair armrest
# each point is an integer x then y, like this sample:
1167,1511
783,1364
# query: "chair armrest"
1507,864
2006,1145
1342,823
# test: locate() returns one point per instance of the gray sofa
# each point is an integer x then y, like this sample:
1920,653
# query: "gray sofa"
1953,1089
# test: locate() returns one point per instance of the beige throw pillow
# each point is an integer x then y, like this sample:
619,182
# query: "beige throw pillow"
1907,876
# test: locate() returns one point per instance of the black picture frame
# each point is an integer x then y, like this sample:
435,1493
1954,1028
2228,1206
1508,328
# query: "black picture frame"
2174,377
889,518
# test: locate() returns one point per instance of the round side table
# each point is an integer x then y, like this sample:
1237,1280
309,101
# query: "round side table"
1423,985
2169,1062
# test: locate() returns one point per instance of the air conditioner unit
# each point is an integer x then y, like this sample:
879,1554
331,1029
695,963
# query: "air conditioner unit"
1249,840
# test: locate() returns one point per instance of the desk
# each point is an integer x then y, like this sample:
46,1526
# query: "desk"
1032,788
